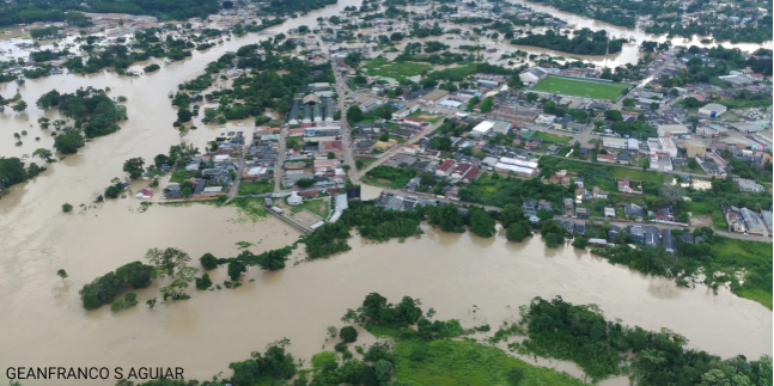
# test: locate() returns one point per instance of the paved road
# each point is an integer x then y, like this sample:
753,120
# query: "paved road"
235,185
395,150
279,169
732,235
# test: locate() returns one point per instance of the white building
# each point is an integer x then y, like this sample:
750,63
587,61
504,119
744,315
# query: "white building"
662,145
712,110
533,75
615,143
482,128
673,130
545,119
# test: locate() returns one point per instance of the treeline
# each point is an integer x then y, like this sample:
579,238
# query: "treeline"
104,289
725,61
250,96
12,172
616,13
585,42
710,257
281,7
603,348
94,112
162,9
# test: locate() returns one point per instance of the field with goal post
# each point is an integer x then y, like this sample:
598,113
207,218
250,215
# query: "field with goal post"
580,87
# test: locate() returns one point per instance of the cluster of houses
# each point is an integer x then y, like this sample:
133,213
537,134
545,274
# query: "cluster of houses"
744,220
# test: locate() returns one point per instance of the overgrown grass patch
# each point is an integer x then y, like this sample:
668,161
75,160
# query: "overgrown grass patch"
258,187
548,137
451,362
567,86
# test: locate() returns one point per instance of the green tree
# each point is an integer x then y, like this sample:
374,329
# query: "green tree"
354,114
48,99
235,270
151,303
20,106
67,208
348,334
43,154
487,105
184,115
166,261
304,183
68,143
176,289
517,231
331,155
654,106
203,282
62,273
134,166
481,223
580,242
628,102
209,261
545,214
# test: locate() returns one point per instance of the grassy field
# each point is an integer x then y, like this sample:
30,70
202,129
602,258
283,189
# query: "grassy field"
249,187
366,161
420,114
548,137
319,206
396,70
453,362
179,174
580,88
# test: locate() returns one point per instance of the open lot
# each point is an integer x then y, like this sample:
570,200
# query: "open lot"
396,70
582,88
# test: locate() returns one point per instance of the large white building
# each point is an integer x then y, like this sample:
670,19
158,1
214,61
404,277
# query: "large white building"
533,75
615,143
662,146
482,128
712,110
673,130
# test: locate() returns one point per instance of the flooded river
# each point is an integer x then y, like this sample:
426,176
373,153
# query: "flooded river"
43,323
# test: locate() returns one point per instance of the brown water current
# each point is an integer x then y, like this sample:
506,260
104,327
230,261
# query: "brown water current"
42,322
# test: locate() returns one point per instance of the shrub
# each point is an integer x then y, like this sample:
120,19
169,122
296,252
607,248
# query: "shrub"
209,261
348,334
67,208
203,282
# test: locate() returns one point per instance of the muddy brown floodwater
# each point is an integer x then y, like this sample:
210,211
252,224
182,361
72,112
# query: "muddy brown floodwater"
42,322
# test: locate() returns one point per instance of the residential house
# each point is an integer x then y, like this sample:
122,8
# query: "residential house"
666,214
631,187
568,206
609,212
445,168
633,210
734,219
668,241
582,212
530,207
751,186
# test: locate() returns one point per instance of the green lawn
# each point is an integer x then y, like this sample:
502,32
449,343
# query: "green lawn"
318,206
548,137
366,161
454,362
420,113
249,187
180,175
396,70
569,86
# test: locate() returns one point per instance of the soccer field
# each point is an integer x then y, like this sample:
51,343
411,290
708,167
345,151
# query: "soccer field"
581,88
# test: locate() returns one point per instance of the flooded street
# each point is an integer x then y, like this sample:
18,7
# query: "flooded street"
42,322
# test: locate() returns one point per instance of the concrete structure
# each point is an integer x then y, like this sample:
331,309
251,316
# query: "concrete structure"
662,146
533,75
695,148
482,128
751,186
615,143
673,130
712,110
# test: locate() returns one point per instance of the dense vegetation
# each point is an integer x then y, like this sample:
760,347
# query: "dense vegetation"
105,288
250,96
668,18
491,189
719,258
280,7
586,42
725,60
54,10
12,172
94,112
602,348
